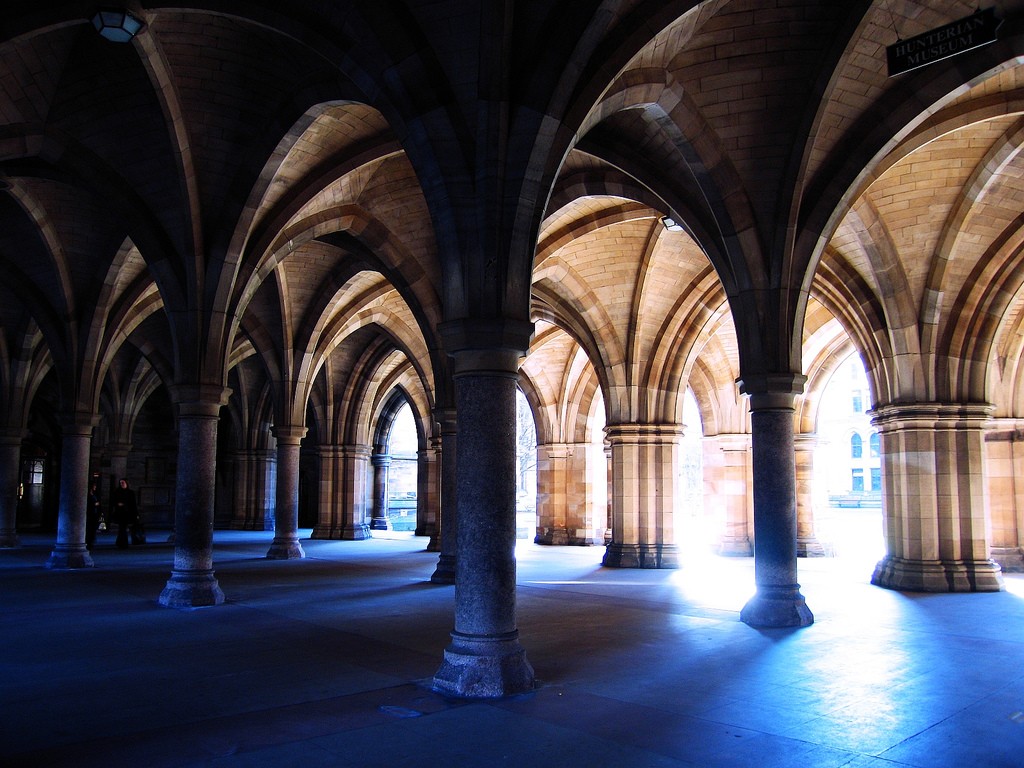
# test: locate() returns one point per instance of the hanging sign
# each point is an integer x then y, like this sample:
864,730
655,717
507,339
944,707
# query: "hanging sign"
943,42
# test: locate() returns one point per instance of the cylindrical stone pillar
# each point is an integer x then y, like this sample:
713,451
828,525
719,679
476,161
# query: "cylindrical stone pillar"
70,550
10,464
286,544
381,463
445,571
485,658
778,602
192,582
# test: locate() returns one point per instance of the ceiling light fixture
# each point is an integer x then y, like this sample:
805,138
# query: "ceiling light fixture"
118,26
671,224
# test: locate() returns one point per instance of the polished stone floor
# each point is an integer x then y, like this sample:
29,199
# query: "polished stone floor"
327,661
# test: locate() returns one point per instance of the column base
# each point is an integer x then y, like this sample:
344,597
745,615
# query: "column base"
355,532
556,537
621,556
445,571
777,606
249,525
191,589
380,524
641,556
938,575
809,547
67,557
285,549
9,540
1009,559
434,545
734,547
481,667
348,533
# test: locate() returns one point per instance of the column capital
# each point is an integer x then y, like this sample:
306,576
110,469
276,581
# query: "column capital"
12,435
78,423
932,415
731,441
353,451
772,391
557,450
486,346
287,434
118,449
643,433
806,441
380,460
446,420
199,401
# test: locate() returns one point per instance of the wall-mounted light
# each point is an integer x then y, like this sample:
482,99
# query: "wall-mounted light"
118,26
671,224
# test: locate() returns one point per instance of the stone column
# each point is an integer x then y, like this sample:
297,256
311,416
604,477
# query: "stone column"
70,550
381,463
579,502
609,492
643,480
1004,463
328,525
354,513
242,517
445,571
286,544
343,512
807,544
552,460
192,582
933,478
778,602
10,474
118,453
484,658
563,515
729,481
426,482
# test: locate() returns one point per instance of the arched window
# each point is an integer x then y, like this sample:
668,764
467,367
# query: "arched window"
856,446
874,445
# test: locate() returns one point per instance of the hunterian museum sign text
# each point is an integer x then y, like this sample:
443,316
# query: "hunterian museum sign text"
943,42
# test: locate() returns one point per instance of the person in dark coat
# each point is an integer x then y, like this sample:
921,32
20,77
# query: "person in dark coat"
92,515
125,511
